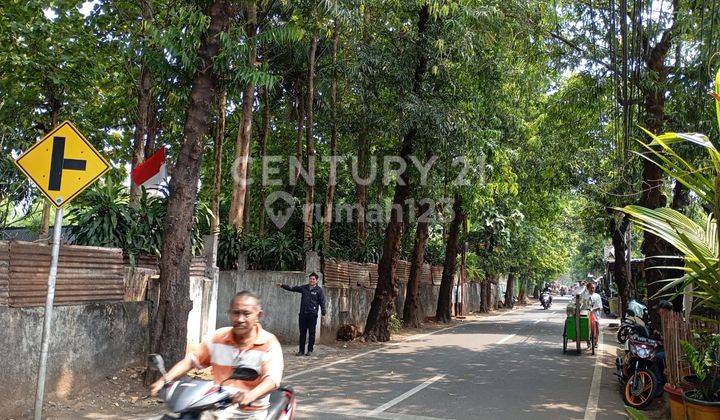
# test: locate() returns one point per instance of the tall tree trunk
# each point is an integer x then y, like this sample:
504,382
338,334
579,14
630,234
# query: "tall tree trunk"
263,136
487,293
383,304
141,127
486,286
152,128
412,315
360,187
460,301
242,145
143,109
169,332
521,294
246,209
651,197
330,192
363,149
300,116
45,221
443,313
217,175
310,145
55,105
681,198
510,290
619,233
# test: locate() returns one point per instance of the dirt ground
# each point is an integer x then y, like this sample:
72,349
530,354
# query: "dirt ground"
123,395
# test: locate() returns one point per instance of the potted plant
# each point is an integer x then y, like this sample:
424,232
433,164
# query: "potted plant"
703,402
675,399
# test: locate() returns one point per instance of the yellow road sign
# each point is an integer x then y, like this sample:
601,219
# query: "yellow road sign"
62,164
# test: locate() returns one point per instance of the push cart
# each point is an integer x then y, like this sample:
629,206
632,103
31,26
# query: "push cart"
586,333
577,328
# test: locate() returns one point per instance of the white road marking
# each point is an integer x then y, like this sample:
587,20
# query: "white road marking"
412,338
354,412
406,395
594,396
507,337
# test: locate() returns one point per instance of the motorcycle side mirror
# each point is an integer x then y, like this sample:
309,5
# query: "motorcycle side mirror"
245,373
155,361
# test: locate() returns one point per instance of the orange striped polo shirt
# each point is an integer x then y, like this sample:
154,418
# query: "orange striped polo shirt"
221,352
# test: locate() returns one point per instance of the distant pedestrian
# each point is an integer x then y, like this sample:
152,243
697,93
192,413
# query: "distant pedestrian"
313,298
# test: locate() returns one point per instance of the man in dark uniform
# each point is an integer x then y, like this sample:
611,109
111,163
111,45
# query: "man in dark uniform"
312,298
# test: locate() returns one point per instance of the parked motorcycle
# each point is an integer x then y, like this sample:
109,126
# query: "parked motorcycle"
188,398
636,321
545,300
640,371
605,304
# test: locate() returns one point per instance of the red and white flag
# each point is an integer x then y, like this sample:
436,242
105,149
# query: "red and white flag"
152,172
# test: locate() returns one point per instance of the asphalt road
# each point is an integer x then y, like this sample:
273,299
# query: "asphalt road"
507,366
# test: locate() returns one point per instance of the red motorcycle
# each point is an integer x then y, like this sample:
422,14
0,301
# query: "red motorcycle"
640,371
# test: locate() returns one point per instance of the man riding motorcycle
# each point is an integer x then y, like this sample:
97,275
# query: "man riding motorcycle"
546,290
245,343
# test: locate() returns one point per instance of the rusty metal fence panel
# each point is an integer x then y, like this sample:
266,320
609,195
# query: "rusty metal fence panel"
85,274
151,262
4,273
436,274
348,274
197,267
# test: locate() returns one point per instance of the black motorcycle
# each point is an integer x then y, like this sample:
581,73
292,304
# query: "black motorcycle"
545,300
634,324
605,304
188,398
640,371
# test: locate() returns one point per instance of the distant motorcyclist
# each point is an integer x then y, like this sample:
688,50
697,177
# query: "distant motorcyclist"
546,291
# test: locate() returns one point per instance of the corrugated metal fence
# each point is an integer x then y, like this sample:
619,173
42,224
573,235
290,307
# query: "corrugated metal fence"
197,264
348,274
4,274
85,274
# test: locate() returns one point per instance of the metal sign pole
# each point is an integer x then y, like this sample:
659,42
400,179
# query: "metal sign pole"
57,231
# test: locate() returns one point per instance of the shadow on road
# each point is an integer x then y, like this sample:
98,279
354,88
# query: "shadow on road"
527,376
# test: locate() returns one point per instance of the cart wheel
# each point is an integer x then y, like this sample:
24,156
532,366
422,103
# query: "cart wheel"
565,340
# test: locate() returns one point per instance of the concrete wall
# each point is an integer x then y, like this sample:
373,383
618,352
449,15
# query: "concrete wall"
280,306
87,343
202,293
344,306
